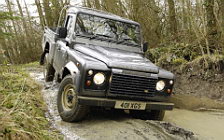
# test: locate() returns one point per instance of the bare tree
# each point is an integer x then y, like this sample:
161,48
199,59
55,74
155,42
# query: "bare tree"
40,12
171,24
48,13
172,18
212,31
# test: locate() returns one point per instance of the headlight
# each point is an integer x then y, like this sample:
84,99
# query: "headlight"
171,82
90,72
160,85
99,78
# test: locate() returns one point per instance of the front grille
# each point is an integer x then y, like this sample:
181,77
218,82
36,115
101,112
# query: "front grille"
123,84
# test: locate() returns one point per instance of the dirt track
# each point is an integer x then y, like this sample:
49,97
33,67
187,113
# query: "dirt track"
112,125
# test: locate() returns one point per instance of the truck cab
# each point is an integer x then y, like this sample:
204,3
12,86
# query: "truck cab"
98,59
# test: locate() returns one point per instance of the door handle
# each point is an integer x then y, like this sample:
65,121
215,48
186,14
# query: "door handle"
59,49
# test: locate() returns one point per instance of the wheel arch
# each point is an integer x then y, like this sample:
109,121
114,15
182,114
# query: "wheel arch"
70,68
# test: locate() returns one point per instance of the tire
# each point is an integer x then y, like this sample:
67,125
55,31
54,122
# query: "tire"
158,114
145,115
49,72
67,102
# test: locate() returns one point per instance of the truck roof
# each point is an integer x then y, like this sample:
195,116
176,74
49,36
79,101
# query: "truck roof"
79,9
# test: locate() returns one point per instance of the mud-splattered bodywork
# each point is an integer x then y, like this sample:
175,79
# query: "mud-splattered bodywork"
129,75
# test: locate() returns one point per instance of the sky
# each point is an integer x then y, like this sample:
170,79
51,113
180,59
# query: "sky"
32,8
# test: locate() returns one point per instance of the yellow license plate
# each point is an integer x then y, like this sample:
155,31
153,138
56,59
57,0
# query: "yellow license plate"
130,105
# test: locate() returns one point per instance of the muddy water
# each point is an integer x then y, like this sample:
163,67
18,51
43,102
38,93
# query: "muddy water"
209,124
112,125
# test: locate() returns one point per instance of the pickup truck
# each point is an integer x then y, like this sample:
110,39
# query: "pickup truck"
98,59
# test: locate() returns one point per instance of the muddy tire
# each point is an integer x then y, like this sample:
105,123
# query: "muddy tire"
49,72
67,102
157,115
152,115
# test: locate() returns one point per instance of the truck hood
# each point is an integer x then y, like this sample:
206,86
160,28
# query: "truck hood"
119,59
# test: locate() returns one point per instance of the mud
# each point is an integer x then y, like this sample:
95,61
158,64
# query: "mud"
192,84
112,125
208,123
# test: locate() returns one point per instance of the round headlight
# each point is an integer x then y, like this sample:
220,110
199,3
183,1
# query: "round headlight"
90,72
171,82
160,85
99,78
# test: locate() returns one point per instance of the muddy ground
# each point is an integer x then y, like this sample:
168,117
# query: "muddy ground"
101,124
192,84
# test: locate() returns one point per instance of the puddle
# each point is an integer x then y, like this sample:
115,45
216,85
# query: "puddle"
209,124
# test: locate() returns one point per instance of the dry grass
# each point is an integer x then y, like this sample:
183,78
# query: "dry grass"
22,107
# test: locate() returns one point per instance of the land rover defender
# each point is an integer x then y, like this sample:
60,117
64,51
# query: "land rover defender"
98,59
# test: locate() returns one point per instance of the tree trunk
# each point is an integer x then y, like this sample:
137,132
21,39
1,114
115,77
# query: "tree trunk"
56,9
48,13
212,31
23,18
221,8
15,44
40,12
172,19
6,48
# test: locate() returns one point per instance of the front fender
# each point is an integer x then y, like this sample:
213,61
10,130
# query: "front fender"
73,69
75,73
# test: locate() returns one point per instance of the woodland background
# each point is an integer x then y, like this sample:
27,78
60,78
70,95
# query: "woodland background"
178,31
185,36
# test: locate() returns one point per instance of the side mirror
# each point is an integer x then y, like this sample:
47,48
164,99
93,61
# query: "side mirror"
62,32
145,46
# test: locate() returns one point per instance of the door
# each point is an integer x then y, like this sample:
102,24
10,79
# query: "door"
61,55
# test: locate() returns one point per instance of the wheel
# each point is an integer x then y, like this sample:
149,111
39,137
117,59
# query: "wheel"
67,102
49,72
148,115
157,115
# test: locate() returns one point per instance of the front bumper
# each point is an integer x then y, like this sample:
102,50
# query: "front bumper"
105,102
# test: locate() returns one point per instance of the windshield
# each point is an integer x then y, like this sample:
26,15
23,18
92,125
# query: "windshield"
96,27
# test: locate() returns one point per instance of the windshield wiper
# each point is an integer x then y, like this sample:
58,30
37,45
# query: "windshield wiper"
99,35
102,37
124,41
